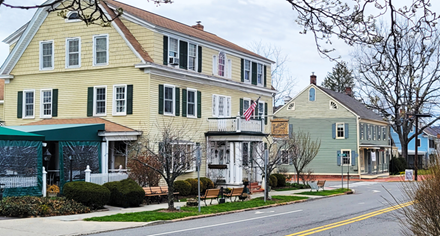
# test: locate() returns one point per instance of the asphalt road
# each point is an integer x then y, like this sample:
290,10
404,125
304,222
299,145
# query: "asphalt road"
364,213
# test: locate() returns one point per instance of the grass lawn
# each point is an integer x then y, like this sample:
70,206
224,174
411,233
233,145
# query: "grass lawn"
326,192
147,216
286,189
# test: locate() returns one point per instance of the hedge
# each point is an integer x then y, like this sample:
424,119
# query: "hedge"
92,195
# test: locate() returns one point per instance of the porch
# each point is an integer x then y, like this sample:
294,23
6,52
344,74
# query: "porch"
235,125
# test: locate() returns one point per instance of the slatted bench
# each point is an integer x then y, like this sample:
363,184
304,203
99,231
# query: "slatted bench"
235,192
210,194
317,185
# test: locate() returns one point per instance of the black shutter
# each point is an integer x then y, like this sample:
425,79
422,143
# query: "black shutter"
184,103
20,104
265,113
165,50
177,113
160,98
256,110
199,60
265,78
183,55
129,99
199,104
90,101
254,73
241,106
242,70
54,102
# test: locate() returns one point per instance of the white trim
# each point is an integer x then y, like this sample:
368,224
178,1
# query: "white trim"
330,104
349,158
244,71
227,106
177,52
262,75
24,104
5,77
195,102
67,20
343,130
250,103
262,112
94,49
2,101
190,76
94,100
173,107
68,52
114,112
14,37
52,56
42,104
196,64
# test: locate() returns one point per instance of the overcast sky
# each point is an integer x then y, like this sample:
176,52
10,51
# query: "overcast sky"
239,21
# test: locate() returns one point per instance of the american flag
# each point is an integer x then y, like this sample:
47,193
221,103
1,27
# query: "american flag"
248,113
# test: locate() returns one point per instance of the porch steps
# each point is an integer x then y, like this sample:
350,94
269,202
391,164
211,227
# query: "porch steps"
255,188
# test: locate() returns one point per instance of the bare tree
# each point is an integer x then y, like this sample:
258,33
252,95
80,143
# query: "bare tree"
340,78
400,83
144,175
302,150
282,79
89,11
172,147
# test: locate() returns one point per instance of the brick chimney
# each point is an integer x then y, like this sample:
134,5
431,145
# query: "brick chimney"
198,26
348,91
313,79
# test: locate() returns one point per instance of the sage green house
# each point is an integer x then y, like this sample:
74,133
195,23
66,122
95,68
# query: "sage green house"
350,133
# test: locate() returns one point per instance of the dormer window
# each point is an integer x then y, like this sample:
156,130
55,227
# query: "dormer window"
312,94
291,106
333,105
72,16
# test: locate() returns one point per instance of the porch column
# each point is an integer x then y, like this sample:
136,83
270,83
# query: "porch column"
227,159
104,157
237,162
231,163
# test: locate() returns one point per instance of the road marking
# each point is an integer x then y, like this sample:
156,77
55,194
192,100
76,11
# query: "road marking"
376,191
355,184
227,223
259,212
352,220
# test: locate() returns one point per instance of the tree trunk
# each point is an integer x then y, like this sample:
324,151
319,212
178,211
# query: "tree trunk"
405,152
297,177
170,195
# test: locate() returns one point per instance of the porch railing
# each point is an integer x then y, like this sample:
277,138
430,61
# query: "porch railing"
235,124
102,178
19,182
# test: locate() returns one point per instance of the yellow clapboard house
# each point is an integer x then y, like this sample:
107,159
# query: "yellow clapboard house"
143,71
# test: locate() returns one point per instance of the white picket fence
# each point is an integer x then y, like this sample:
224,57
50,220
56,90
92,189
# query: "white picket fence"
19,182
102,178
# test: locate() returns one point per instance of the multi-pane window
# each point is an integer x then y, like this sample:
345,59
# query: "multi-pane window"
173,51
246,104
260,110
284,157
221,106
101,50
384,133
221,64
191,102
361,127
378,133
73,52
46,103
169,99
29,99
46,55
192,56
340,130
247,70
373,132
119,99
100,100
346,157
259,74
182,156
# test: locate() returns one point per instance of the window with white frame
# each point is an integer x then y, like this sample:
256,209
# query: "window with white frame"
259,74
221,64
284,157
182,154
362,131
246,104
100,96
247,71
260,110
46,103
100,48
221,106
333,105
46,55
72,16
191,103
340,130
346,157
373,132
73,52
384,133
369,128
28,105
378,133
173,51
169,99
120,99
192,56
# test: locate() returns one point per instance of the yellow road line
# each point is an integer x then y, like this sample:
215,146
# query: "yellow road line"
351,220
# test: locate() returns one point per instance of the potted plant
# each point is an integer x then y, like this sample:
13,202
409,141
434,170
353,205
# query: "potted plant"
53,190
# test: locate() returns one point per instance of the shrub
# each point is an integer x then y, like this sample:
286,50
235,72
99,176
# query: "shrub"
144,175
194,186
26,206
397,165
92,195
273,181
183,187
207,182
281,180
125,193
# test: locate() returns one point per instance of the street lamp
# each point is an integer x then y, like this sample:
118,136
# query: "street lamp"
416,156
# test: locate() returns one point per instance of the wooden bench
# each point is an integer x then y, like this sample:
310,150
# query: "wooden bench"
235,192
210,194
317,185
156,192
255,187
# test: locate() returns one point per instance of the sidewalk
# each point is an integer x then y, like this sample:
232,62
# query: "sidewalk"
74,224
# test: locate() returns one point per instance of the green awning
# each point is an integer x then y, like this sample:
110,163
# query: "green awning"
64,132
12,134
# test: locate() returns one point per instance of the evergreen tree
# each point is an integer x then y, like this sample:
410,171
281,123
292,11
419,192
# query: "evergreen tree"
340,78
